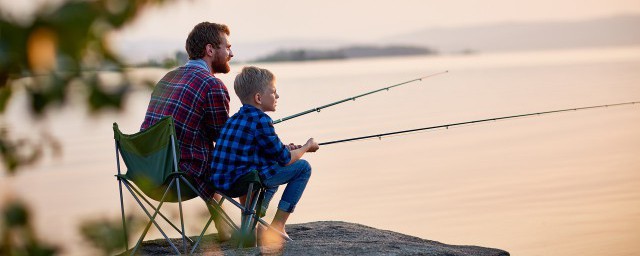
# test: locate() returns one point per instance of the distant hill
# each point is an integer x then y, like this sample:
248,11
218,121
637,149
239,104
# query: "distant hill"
611,31
343,53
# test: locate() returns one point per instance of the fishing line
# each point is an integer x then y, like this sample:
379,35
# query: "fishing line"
447,126
354,98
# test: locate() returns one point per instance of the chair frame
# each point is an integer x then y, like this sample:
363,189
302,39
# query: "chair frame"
176,177
249,217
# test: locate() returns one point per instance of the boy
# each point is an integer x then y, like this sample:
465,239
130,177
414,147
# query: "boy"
248,142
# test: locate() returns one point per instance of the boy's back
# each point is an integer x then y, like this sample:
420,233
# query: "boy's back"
247,142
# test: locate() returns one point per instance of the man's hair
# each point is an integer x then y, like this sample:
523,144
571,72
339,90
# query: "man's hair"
250,81
203,34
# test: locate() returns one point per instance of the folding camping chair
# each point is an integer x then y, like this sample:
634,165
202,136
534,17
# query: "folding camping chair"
151,157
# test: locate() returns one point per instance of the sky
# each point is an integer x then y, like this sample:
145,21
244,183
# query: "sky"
254,21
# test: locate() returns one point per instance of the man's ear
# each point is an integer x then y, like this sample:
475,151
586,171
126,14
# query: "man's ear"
209,50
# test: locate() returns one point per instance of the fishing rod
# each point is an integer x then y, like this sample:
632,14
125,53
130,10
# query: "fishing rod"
472,122
354,98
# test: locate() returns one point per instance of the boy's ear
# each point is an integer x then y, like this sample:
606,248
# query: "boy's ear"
257,98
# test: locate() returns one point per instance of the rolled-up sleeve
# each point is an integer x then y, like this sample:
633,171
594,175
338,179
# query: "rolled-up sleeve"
270,143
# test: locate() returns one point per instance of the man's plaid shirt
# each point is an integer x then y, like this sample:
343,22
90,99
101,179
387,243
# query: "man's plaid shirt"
247,142
199,104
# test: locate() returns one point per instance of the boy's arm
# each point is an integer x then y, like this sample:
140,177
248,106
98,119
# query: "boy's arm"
268,142
296,154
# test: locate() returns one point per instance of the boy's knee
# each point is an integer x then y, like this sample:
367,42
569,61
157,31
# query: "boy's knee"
305,167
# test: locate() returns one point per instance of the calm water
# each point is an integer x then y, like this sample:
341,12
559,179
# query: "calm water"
564,184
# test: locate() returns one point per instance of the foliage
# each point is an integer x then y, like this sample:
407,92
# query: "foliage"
60,49
61,46
108,235
17,237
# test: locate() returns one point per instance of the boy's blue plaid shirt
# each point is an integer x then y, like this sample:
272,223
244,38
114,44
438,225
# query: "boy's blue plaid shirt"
247,142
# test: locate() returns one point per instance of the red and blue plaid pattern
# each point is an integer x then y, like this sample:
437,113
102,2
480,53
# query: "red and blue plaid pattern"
199,104
247,142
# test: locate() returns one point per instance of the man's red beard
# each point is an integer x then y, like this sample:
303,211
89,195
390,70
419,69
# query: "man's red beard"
221,66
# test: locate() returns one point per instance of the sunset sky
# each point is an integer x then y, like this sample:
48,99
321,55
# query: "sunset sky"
360,20
254,22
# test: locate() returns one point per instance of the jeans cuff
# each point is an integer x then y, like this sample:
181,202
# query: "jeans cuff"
286,206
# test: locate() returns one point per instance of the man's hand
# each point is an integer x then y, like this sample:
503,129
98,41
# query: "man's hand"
311,145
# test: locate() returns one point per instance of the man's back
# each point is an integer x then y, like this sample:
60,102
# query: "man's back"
199,104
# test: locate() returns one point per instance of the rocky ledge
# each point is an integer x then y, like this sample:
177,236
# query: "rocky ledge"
331,238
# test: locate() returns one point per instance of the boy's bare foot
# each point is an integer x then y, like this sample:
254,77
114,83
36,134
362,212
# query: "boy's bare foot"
270,237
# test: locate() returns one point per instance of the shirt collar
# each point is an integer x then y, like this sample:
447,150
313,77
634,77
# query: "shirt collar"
198,63
252,109
249,107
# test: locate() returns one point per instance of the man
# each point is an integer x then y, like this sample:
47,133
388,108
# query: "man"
198,102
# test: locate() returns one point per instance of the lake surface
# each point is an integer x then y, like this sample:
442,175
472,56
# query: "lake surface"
561,184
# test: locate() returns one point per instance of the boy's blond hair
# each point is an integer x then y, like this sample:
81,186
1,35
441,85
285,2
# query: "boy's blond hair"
250,81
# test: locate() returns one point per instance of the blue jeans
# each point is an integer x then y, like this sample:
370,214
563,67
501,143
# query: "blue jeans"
295,176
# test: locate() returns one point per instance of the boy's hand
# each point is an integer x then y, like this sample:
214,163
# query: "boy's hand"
311,145
292,146
296,154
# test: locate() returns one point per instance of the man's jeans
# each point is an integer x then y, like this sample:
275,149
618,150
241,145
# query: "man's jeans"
296,177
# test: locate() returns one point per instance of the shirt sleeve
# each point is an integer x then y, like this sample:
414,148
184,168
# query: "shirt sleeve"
269,143
216,109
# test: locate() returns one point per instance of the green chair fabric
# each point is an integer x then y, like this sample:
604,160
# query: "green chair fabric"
148,156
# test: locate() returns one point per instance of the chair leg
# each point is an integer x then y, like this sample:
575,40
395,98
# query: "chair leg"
124,222
193,249
257,208
260,220
224,215
251,217
246,218
184,240
144,233
159,213
214,208
253,208
152,219
217,208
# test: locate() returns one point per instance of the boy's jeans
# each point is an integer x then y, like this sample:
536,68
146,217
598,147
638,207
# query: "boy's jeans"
296,177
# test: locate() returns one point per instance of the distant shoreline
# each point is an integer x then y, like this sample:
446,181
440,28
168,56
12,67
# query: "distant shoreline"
351,52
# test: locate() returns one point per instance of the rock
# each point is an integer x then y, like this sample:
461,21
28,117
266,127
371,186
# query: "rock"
331,238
